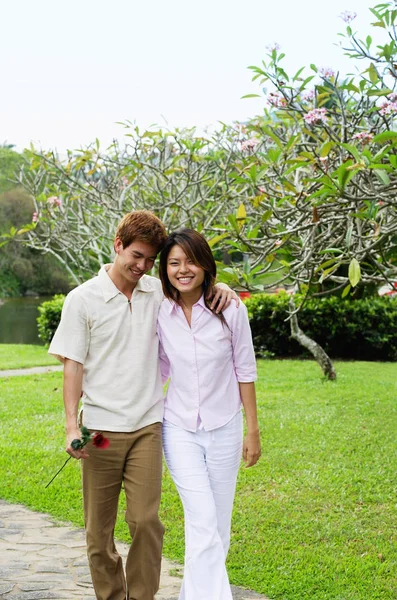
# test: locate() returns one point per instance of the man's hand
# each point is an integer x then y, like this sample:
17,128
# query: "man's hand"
75,434
223,295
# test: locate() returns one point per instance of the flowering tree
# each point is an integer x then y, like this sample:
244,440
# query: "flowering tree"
304,194
320,207
185,179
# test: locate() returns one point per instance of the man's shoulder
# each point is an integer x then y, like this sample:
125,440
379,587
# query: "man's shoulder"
152,283
84,290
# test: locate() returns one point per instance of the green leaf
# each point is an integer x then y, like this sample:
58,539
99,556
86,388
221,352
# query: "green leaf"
393,160
352,150
331,251
313,68
385,136
348,236
354,272
241,214
295,77
373,74
266,215
274,137
327,263
346,291
378,24
382,92
304,83
213,241
233,222
251,96
383,176
327,272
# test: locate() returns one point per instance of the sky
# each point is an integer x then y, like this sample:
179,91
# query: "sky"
72,69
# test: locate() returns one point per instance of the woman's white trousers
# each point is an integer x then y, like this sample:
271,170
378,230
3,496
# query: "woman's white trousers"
204,467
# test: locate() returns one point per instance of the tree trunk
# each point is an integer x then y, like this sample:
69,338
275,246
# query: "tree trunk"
319,354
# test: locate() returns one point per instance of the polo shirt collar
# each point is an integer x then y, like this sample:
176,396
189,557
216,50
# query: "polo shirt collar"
110,291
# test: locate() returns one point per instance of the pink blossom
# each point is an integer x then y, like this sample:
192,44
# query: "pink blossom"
316,116
273,47
35,217
348,16
380,203
277,100
363,136
308,95
388,108
54,201
240,127
124,181
327,72
262,190
324,163
249,144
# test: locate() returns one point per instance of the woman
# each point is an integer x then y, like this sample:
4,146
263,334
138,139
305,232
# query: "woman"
211,364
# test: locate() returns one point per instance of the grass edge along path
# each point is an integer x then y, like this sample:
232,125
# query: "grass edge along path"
316,519
21,356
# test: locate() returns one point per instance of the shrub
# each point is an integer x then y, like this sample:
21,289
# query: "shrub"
49,317
362,329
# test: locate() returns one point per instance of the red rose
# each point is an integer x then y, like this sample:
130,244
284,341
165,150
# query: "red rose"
100,441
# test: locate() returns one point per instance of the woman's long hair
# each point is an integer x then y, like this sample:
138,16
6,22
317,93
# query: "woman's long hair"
196,247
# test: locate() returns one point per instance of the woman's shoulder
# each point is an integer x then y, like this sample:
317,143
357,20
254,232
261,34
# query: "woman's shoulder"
166,307
234,313
233,309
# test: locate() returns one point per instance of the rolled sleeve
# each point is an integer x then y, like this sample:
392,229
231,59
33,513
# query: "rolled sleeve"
243,348
72,337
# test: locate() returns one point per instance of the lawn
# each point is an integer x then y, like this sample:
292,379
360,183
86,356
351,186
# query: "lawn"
315,519
19,356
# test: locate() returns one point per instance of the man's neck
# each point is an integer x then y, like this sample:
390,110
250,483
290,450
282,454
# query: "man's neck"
123,285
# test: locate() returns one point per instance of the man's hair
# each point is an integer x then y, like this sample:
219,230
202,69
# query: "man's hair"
142,226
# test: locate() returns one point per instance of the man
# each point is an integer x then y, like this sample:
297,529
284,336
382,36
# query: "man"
108,343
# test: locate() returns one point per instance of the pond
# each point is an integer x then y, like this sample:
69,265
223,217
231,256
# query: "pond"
18,320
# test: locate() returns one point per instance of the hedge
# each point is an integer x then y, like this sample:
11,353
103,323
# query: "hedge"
49,317
362,329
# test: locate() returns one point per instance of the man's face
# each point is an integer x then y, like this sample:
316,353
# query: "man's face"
135,260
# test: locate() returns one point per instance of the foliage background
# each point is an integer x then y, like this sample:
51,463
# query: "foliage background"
22,269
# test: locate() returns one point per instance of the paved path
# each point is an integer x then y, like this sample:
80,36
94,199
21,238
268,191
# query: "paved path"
30,371
44,560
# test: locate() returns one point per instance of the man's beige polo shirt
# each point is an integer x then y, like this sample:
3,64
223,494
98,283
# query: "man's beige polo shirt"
117,343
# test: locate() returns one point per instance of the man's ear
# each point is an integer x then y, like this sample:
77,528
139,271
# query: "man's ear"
118,245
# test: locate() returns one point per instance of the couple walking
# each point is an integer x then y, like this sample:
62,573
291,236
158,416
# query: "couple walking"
122,334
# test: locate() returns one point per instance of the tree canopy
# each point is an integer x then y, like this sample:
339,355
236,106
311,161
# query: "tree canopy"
303,194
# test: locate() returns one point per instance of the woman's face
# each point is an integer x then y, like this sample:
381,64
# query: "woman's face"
183,274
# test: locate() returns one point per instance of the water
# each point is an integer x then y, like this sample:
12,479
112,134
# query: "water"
18,321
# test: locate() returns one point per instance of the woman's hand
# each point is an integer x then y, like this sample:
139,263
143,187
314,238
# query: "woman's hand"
251,448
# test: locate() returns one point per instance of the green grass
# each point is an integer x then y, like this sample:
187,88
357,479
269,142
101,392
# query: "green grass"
19,356
316,519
